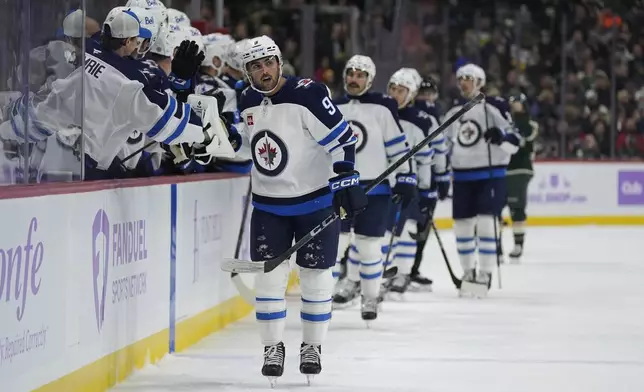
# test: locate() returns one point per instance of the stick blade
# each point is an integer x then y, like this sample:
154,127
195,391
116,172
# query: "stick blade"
239,266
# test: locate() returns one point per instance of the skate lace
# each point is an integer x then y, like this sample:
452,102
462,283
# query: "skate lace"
273,356
369,303
310,353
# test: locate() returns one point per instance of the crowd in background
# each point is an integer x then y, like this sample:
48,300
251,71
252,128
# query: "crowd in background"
580,63
519,44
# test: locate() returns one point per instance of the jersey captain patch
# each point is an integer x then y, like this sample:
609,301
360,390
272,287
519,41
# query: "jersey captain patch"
269,153
360,132
468,133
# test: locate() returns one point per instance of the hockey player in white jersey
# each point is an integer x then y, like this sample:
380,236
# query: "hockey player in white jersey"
304,153
119,100
403,86
374,119
425,100
483,140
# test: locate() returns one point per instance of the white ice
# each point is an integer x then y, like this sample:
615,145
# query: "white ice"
569,318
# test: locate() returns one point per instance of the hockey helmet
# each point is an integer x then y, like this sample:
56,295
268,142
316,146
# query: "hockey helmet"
235,53
472,71
361,63
258,48
177,17
148,21
405,77
217,48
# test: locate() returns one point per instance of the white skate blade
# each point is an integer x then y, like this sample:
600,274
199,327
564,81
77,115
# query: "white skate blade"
515,260
242,266
420,288
273,381
309,379
473,289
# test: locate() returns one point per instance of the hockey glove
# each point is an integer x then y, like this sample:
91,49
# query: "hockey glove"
442,185
427,202
185,64
349,198
494,135
405,188
181,158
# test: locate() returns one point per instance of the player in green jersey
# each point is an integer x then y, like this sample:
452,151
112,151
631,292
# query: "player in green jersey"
520,172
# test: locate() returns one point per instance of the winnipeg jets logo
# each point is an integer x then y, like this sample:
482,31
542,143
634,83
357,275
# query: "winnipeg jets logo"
469,133
360,132
269,153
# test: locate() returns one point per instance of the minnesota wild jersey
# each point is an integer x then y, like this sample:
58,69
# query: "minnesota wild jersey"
521,161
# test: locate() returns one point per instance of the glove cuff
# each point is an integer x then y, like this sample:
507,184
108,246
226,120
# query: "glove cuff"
407,178
178,83
345,181
429,194
343,167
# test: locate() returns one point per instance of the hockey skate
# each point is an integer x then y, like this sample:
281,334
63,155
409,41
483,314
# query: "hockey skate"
420,283
399,286
348,292
475,284
369,309
515,255
274,362
310,361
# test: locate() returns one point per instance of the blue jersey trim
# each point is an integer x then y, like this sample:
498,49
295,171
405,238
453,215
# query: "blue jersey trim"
479,174
295,209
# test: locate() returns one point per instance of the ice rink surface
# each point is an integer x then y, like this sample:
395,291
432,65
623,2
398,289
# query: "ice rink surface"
570,318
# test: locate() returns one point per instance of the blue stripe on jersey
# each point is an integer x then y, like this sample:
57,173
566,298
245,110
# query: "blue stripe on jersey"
396,140
479,174
334,134
163,121
294,209
425,154
182,125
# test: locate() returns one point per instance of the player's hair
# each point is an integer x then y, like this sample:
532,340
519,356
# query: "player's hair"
110,43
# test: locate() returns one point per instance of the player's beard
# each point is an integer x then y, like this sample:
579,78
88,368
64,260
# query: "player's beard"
267,82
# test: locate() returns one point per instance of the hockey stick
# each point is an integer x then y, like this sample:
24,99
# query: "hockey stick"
245,266
496,234
457,282
244,291
394,228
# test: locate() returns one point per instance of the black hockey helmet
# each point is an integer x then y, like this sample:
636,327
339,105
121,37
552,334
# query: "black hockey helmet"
428,85
520,98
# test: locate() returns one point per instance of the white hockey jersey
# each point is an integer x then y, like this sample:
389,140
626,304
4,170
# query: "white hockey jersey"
381,141
295,137
470,157
417,125
117,101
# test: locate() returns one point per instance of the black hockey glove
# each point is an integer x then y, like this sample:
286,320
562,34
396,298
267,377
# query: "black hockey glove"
494,135
405,188
349,198
442,185
185,64
427,202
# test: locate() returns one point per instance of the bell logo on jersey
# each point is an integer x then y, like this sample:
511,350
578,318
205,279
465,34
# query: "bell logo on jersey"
269,153
469,133
360,132
303,83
